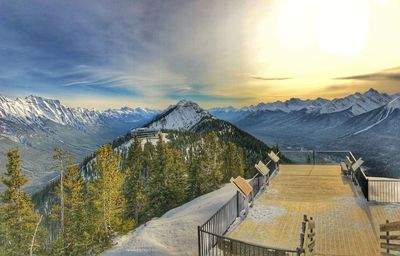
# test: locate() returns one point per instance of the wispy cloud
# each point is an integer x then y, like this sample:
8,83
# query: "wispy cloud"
387,74
137,47
271,78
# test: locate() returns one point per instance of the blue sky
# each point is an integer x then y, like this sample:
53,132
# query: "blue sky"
85,50
152,53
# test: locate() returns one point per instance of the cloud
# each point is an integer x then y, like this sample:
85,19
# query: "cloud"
271,78
140,47
387,74
336,88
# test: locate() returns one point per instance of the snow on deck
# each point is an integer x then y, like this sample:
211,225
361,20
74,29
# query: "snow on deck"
175,233
346,223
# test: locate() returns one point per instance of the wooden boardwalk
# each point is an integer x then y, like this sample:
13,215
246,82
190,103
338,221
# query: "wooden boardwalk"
346,223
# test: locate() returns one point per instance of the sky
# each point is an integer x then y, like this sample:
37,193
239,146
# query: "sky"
102,54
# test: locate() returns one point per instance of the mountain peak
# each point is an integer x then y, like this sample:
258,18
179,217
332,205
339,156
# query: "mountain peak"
184,102
372,92
182,116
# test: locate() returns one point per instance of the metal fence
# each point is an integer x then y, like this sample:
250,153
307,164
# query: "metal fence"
384,190
225,246
211,235
315,157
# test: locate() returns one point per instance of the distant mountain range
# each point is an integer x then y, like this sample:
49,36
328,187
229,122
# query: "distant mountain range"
36,125
368,124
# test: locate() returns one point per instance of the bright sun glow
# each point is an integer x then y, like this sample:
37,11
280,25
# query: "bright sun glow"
338,27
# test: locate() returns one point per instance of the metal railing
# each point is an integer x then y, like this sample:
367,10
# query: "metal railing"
211,235
226,246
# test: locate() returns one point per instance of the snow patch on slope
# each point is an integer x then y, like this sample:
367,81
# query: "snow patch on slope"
175,233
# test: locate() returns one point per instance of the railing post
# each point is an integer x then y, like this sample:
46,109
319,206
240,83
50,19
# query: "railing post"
237,205
198,239
387,237
313,156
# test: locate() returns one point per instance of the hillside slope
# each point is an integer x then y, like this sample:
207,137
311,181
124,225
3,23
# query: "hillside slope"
175,233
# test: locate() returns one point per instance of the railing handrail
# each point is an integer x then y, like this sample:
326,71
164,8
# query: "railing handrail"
219,210
250,243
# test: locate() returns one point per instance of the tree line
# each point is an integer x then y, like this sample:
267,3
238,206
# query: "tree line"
126,190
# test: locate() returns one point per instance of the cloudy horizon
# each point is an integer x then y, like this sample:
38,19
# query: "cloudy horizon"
218,53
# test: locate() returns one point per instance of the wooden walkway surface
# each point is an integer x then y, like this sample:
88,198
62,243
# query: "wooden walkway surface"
346,223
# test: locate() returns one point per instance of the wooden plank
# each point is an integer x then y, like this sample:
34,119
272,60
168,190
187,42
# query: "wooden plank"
311,244
311,224
387,254
393,247
390,237
311,235
393,226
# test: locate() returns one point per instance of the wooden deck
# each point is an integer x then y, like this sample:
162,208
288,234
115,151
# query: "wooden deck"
346,223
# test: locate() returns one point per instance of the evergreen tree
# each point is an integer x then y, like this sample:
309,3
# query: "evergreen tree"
167,182
61,156
194,186
134,190
18,219
76,236
233,164
210,175
107,203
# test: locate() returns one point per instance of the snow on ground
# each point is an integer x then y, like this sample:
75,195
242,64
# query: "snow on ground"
175,233
265,213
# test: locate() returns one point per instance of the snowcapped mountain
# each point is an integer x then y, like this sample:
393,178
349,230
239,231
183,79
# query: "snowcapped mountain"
185,115
376,135
357,104
36,125
35,110
386,119
366,123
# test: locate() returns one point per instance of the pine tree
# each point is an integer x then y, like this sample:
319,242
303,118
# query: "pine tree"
194,186
60,156
211,175
18,219
134,187
107,202
167,182
233,163
76,235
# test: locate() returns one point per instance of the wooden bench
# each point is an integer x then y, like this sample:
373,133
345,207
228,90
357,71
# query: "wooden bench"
346,166
391,238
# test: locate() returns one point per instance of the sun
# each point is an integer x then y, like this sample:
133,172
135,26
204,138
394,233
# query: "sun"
341,26
337,27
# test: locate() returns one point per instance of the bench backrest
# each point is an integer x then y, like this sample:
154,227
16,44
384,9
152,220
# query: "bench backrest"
348,162
262,168
273,156
242,186
357,164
